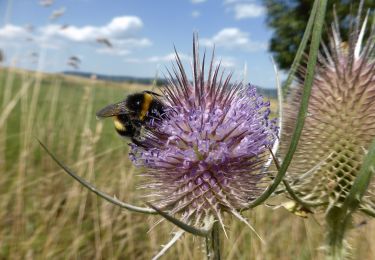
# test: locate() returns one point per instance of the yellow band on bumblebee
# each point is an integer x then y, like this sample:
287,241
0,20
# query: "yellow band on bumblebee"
118,125
145,105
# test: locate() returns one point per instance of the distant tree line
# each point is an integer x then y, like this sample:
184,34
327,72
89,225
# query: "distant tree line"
267,92
288,19
129,79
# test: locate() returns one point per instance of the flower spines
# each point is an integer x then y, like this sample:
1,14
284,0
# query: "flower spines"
340,123
208,152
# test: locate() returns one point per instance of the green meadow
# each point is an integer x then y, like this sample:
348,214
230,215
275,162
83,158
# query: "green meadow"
45,214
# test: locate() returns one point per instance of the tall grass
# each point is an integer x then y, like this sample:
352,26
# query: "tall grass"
46,215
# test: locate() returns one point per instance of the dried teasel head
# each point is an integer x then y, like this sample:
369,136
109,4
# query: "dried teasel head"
340,123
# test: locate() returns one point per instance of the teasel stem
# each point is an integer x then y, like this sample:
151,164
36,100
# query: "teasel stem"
289,189
369,212
301,49
361,182
339,218
320,6
213,242
184,226
92,188
336,227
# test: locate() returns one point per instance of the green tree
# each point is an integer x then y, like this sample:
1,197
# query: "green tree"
288,19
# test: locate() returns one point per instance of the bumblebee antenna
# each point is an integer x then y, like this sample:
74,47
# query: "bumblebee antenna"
155,81
152,93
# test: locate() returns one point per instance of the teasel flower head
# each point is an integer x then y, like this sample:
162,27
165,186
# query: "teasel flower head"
206,156
340,122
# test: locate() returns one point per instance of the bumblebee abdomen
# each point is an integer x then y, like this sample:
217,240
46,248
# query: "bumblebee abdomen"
123,126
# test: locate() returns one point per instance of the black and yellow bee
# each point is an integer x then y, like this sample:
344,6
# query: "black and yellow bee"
134,114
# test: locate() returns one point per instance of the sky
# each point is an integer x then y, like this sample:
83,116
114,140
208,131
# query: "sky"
136,37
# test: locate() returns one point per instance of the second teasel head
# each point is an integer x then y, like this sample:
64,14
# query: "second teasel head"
340,123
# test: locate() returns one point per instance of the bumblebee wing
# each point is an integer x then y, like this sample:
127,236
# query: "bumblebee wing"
113,110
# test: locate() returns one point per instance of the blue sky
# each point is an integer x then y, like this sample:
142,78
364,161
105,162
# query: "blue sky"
45,34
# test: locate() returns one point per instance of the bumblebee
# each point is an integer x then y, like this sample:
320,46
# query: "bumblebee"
135,114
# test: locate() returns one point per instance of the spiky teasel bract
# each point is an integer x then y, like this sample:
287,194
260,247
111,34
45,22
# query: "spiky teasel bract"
340,123
205,157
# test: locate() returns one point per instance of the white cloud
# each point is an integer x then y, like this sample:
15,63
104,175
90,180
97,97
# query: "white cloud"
198,1
226,62
168,57
119,27
11,32
46,3
231,38
227,2
248,10
114,52
244,9
132,43
158,59
17,36
195,14
120,31
123,47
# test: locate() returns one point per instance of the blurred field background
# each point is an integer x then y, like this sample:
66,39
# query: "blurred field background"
44,214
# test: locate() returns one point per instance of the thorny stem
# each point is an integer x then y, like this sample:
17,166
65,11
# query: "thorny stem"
92,188
302,114
301,49
337,226
184,226
289,189
213,243
368,211
339,219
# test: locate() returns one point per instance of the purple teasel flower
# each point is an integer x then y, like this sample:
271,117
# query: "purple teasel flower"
207,155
